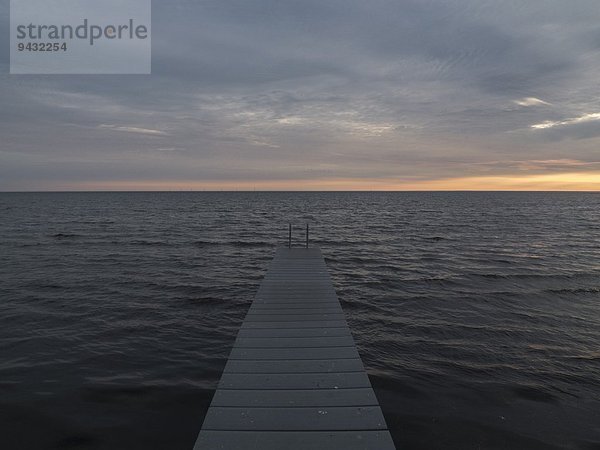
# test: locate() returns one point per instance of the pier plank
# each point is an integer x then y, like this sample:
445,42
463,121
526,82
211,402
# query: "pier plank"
324,440
287,381
294,366
294,332
295,398
293,342
295,419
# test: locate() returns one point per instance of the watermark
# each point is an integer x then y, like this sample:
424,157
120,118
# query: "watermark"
80,37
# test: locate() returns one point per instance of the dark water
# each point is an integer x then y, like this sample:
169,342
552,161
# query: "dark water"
476,314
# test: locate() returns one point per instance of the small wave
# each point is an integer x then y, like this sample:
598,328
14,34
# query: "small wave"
205,244
531,276
244,244
360,260
342,243
79,440
117,394
205,301
386,382
65,235
534,393
575,291
439,281
51,286
235,244
150,243
586,357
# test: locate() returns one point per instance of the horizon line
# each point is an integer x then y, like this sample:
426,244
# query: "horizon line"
292,191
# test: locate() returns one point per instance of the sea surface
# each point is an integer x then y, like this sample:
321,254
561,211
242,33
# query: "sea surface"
477,315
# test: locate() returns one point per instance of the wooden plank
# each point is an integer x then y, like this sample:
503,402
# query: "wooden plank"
293,342
311,440
294,332
293,353
281,302
291,398
278,309
293,317
294,366
294,381
319,296
297,324
287,307
295,419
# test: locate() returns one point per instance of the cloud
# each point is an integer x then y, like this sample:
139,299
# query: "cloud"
542,165
137,130
589,117
531,101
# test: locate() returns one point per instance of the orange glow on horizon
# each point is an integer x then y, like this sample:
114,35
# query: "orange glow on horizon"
586,181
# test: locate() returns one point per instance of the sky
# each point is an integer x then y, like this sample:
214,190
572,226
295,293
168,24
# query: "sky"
322,95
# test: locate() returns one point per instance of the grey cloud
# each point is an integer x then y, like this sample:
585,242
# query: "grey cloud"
578,131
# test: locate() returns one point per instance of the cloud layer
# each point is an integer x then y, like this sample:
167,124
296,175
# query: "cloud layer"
311,93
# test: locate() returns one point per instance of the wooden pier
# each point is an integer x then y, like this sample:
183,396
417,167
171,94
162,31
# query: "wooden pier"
294,379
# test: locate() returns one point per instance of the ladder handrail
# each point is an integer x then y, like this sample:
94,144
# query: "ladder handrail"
290,236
